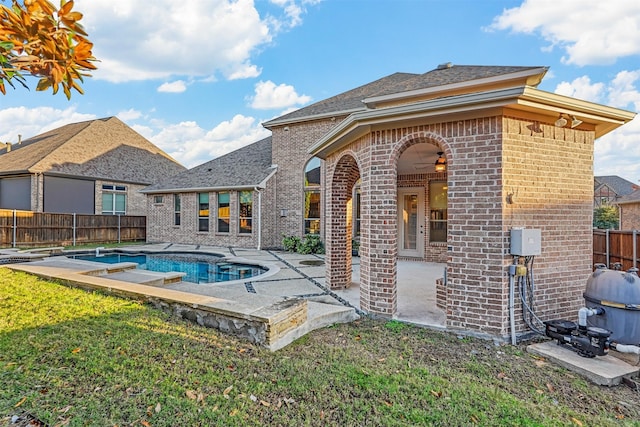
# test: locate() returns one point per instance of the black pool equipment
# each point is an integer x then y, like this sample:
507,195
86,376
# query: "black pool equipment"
588,341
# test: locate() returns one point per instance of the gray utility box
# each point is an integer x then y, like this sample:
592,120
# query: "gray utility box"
525,241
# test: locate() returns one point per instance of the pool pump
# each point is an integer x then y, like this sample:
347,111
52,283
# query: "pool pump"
587,341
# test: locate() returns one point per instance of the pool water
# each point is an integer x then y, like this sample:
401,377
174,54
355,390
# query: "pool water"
199,268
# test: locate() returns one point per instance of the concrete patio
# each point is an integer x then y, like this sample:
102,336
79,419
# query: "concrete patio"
272,309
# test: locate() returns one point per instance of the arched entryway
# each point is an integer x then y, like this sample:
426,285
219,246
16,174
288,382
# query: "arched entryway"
422,205
339,219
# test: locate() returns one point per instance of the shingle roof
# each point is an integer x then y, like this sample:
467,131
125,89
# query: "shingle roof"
100,149
633,197
245,167
398,83
621,186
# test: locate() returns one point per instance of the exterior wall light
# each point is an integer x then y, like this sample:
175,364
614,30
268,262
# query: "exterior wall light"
441,163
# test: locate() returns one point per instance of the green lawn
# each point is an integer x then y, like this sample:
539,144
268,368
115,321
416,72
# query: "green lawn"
71,357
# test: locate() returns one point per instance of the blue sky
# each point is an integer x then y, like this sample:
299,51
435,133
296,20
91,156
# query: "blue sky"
198,77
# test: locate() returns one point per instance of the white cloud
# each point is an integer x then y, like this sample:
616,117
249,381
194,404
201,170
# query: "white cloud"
29,122
164,38
582,88
589,31
177,86
129,114
269,96
617,153
191,144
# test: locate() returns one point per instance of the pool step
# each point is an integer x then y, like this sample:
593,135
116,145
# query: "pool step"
145,277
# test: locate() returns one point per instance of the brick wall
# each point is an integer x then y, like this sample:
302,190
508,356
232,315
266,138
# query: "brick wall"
547,170
629,216
161,227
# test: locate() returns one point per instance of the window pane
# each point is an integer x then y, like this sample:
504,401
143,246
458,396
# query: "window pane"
107,203
176,209
121,202
223,225
438,210
224,212
312,226
312,172
245,211
203,211
312,204
203,224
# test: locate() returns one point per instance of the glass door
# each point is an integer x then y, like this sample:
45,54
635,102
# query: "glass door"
411,222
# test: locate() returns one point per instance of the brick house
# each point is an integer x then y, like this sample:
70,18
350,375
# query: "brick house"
608,189
437,166
92,167
629,211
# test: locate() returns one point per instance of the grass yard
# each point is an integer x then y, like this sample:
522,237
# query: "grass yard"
74,358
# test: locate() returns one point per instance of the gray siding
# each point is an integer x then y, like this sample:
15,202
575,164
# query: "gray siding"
67,195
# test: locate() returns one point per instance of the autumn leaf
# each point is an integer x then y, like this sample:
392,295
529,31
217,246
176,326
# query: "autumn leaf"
265,403
191,394
576,421
550,387
233,413
437,394
226,391
145,423
158,408
24,399
76,350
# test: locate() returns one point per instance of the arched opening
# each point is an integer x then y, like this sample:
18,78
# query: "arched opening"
422,205
340,222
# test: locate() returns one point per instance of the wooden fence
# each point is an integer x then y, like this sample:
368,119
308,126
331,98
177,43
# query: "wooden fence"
614,246
32,229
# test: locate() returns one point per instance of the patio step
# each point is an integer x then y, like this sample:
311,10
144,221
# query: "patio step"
319,315
145,277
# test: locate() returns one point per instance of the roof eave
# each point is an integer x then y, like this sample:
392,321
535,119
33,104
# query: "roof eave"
604,118
281,122
531,77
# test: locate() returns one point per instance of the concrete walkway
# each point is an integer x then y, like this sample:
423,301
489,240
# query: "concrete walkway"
272,309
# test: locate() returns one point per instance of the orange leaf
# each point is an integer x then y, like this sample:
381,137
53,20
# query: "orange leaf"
76,350
24,399
576,421
145,423
437,394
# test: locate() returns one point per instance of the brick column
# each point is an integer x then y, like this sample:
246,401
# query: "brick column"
379,242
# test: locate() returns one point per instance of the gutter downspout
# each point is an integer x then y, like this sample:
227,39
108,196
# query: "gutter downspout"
259,218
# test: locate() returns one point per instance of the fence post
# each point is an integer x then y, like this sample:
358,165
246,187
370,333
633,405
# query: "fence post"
74,229
15,226
634,247
607,247
118,228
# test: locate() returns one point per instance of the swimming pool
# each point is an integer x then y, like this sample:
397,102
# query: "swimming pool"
199,268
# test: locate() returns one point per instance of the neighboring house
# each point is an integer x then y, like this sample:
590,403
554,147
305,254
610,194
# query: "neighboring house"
607,190
629,211
93,167
439,166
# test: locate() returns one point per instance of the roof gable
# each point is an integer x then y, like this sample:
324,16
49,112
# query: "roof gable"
406,86
619,185
102,149
246,167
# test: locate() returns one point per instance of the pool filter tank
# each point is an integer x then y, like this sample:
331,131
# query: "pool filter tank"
617,293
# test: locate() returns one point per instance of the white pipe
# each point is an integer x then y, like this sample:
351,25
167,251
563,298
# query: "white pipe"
585,312
622,348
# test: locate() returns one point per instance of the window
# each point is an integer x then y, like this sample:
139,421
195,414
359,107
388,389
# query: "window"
357,198
245,211
203,211
223,212
114,199
312,196
438,210
158,199
176,209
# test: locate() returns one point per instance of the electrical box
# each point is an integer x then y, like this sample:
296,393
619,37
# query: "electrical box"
525,241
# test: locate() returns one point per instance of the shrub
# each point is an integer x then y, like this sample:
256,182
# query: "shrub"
311,245
290,243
